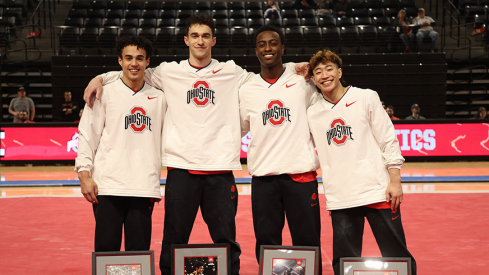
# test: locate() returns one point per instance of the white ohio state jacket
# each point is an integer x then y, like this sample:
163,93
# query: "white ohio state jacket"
120,141
276,115
356,143
202,127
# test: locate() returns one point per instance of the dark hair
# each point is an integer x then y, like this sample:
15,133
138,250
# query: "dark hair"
200,19
25,111
324,56
390,107
198,264
134,40
272,28
479,112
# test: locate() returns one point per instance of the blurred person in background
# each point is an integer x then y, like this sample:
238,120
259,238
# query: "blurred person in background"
390,112
425,24
271,10
415,113
69,108
481,113
24,118
405,33
22,102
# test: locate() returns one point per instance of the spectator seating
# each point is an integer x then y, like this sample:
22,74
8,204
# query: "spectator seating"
164,24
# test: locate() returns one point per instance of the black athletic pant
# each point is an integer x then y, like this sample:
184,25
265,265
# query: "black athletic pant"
273,198
217,197
114,212
348,225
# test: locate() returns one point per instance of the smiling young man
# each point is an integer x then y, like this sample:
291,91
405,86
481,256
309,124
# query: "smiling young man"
122,181
281,155
361,160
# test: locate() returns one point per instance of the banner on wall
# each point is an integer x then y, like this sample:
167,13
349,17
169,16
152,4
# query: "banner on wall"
415,140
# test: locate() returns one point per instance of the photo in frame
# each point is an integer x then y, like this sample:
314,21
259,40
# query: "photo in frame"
293,260
123,263
209,259
375,266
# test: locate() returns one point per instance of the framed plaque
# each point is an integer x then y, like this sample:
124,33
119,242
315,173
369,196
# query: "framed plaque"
210,259
123,262
289,260
375,266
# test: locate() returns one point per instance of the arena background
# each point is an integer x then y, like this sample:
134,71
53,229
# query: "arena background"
53,46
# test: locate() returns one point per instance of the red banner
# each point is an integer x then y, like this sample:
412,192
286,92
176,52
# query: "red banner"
39,143
61,143
453,139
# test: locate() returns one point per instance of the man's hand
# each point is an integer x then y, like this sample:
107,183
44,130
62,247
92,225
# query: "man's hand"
303,69
93,91
89,188
394,189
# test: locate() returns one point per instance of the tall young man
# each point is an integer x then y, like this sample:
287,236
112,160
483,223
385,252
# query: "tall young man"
119,159
360,157
281,156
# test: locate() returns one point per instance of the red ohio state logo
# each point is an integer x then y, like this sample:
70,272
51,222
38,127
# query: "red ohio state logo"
339,132
201,93
137,120
275,113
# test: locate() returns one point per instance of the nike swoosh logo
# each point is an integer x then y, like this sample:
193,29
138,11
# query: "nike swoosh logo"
288,86
215,72
348,105
393,218
314,204
233,197
152,97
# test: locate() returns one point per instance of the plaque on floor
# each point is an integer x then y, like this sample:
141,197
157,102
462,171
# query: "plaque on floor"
375,266
123,263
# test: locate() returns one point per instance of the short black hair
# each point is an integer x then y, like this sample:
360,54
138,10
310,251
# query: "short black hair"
134,40
272,28
200,19
198,264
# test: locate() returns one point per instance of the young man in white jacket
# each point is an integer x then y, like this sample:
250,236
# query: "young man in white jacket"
119,159
281,156
360,160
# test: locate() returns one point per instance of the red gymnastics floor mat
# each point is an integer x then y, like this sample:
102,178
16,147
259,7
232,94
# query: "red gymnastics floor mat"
446,233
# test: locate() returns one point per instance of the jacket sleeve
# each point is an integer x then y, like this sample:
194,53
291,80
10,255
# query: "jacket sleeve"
312,94
90,131
384,132
243,115
242,76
